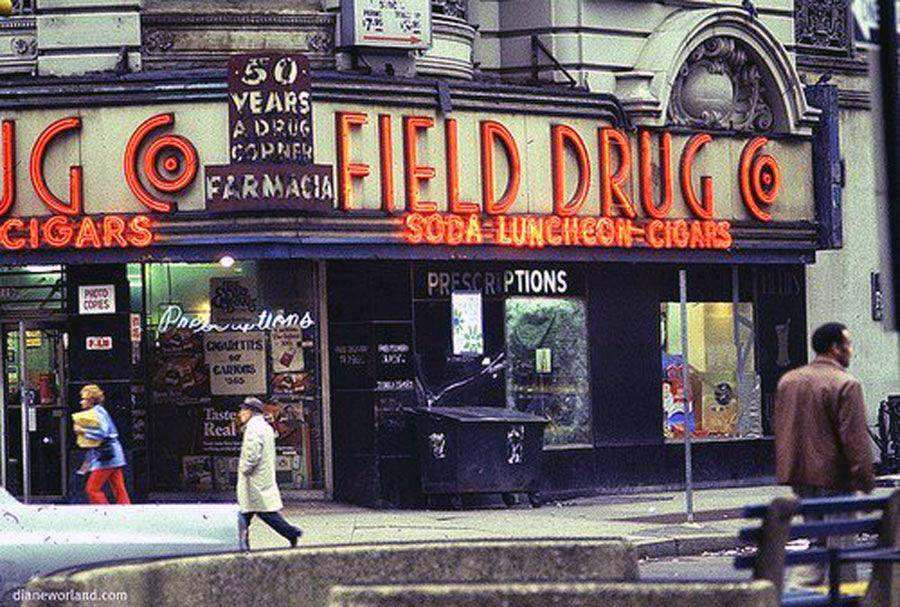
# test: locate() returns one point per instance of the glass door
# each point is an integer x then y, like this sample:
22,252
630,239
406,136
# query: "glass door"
34,363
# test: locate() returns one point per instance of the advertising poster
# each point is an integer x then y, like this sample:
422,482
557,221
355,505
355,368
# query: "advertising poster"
179,374
468,330
220,433
233,299
287,350
236,361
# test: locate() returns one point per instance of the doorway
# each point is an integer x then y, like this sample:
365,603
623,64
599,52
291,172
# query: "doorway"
33,371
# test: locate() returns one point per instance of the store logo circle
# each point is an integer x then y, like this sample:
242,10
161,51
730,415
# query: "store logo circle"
179,163
760,179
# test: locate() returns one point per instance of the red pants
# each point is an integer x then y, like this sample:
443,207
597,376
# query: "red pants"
98,478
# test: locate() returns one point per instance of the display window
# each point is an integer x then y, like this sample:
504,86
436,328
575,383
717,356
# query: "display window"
217,334
723,387
548,371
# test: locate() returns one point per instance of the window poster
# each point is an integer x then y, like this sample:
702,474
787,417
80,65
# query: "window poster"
287,350
467,325
236,361
233,299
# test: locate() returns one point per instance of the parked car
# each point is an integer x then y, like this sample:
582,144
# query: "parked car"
39,539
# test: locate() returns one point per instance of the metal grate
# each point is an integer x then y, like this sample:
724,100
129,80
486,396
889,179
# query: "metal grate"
34,288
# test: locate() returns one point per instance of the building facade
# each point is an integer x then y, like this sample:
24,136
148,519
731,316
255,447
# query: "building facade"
354,215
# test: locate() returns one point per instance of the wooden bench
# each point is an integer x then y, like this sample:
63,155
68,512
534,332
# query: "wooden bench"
876,516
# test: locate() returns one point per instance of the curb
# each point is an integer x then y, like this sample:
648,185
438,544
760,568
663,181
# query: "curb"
684,546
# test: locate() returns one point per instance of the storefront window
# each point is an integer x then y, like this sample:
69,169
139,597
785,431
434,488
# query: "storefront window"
217,335
723,385
548,372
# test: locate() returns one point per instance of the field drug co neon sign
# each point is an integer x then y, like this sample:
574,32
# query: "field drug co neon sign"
175,318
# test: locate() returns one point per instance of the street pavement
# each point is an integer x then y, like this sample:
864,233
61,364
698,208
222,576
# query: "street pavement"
654,522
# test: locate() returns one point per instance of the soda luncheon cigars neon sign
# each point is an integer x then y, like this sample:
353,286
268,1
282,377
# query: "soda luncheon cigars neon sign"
623,220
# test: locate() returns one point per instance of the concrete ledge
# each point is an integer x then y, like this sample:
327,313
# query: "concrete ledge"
651,594
304,576
685,546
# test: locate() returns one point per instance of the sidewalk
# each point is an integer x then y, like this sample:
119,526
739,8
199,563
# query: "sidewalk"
654,522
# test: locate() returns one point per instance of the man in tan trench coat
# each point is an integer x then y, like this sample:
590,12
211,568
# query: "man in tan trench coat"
822,444
257,491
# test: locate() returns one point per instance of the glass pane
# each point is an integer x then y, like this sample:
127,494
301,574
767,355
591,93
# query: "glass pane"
546,344
722,382
218,335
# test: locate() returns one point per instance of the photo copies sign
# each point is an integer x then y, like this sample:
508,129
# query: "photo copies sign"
398,24
97,299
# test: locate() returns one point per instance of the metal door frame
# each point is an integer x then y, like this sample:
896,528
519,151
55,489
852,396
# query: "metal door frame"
20,326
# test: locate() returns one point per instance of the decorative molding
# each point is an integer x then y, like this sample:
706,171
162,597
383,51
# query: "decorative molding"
158,40
230,20
823,25
25,46
451,8
720,86
23,7
320,41
850,66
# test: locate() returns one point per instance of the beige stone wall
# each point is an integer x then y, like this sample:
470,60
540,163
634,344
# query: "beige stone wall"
100,145
838,283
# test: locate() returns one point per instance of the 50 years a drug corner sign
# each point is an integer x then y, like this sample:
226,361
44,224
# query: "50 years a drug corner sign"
91,178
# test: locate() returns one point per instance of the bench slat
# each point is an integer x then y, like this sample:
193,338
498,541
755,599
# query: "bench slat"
864,553
826,505
820,529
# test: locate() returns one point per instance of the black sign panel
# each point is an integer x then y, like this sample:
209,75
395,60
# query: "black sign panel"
252,187
440,280
270,109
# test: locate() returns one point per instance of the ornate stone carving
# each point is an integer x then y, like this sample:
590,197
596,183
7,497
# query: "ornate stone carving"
319,42
823,24
158,41
720,86
26,46
451,8
21,7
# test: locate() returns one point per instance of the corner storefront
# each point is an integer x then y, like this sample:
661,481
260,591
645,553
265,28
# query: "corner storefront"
347,248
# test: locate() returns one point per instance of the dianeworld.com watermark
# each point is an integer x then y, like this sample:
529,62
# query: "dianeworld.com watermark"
20,595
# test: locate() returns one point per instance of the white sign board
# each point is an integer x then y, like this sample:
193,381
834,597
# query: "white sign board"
97,299
399,24
98,342
237,362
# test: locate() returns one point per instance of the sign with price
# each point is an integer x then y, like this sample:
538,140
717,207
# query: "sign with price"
399,24
237,362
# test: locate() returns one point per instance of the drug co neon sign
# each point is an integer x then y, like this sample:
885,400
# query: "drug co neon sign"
169,165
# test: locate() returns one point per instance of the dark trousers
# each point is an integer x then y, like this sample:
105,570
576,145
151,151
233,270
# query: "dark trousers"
276,521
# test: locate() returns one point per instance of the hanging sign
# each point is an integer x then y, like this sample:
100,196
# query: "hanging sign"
398,24
270,132
97,299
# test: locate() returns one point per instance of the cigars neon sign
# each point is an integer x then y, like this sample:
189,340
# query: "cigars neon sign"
169,165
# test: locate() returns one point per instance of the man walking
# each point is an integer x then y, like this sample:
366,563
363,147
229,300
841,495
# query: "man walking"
257,492
821,439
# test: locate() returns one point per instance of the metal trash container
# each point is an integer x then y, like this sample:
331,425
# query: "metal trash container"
466,450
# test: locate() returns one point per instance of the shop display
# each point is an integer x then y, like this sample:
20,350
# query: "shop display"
197,473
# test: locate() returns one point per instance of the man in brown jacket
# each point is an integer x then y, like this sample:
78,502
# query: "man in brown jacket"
821,441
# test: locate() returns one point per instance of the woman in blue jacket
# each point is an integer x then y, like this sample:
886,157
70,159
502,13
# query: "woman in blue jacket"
105,462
